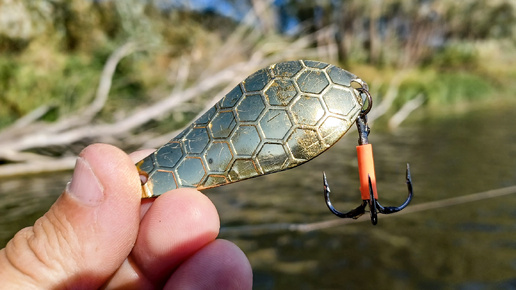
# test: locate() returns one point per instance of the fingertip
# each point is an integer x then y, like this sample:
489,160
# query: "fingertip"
177,224
219,265
117,175
115,170
108,230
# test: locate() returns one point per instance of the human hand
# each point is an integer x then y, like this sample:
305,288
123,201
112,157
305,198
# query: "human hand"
99,233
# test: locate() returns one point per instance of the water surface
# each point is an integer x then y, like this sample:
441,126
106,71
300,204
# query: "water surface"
470,246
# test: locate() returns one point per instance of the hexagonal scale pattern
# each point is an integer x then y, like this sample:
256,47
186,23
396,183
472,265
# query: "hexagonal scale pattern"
277,118
168,155
313,81
307,110
250,108
338,96
245,140
304,144
222,124
195,141
272,157
275,124
190,172
218,156
281,92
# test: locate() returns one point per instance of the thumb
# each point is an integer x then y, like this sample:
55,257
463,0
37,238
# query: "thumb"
86,234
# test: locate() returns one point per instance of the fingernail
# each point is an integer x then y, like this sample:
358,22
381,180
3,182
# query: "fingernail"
85,186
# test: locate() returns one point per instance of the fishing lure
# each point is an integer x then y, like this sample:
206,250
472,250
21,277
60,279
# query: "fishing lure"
277,118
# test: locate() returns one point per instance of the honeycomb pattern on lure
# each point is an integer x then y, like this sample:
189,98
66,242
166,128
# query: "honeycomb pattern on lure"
279,117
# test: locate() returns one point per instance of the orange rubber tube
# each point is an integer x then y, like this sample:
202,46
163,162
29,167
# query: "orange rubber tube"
365,170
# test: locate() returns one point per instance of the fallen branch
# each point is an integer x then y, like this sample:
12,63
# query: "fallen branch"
26,123
106,79
45,138
405,111
31,117
390,96
38,166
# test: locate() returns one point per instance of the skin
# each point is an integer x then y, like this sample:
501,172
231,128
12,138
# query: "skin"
100,234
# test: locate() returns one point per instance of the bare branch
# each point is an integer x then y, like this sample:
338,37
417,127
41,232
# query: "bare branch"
106,78
405,111
390,96
102,92
183,71
31,117
136,119
29,130
37,166
25,123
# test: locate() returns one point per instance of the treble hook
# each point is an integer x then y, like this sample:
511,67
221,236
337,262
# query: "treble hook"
367,175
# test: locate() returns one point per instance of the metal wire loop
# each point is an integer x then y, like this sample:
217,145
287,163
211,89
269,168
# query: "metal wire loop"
369,101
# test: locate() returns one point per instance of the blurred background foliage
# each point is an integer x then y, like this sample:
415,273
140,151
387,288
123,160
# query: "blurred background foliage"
53,51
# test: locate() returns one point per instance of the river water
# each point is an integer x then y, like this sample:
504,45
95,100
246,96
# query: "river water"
464,246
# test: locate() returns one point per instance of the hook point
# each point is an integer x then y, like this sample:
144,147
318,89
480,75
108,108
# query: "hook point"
407,174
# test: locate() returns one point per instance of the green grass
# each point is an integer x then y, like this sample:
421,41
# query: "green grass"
65,81
445,88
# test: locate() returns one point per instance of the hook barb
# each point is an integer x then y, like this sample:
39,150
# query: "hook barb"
354,214
374,206
392,209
